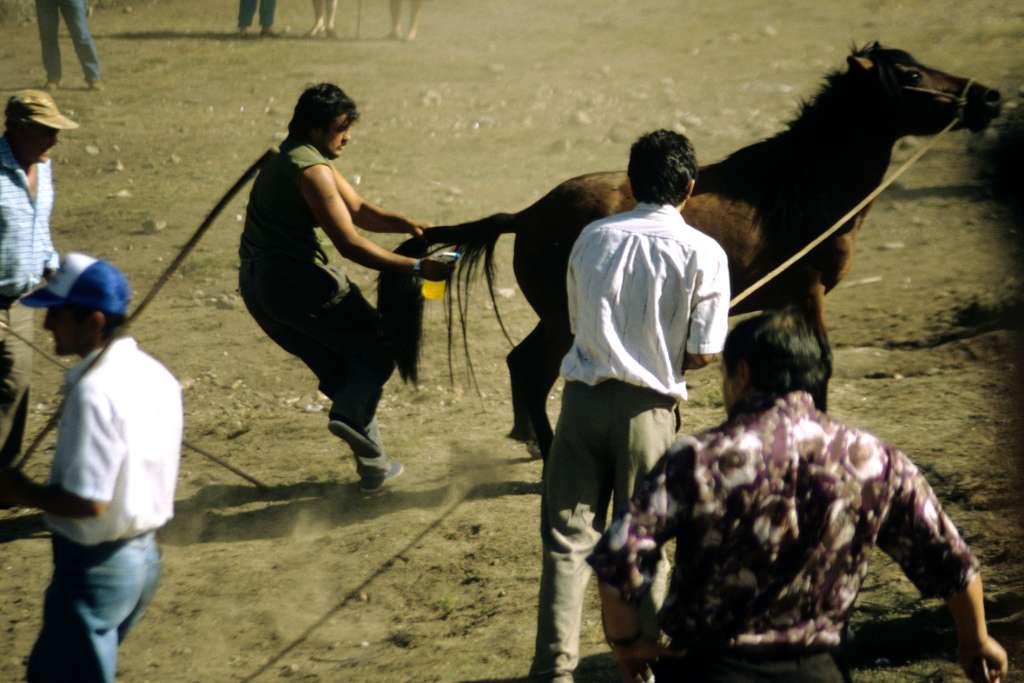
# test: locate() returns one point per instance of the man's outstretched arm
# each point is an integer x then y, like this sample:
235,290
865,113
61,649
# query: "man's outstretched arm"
982,658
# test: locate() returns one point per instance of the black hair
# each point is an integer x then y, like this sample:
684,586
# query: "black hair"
783,353
661,165
15,115
318,106
114,321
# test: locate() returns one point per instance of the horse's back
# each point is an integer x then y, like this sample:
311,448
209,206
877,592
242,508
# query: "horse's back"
563,212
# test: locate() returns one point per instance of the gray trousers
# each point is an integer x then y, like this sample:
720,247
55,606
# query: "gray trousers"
15,373
607,437
314,313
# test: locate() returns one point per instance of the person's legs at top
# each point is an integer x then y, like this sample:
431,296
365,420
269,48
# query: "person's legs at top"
96,594
331,15
318,20
414,18
246,12
396,19
576,489
77,22
48,18
267,9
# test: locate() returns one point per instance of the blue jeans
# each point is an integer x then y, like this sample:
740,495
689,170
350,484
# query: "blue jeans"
96,595
47,14
247,9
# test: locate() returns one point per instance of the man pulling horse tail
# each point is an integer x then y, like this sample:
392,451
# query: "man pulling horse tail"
398,294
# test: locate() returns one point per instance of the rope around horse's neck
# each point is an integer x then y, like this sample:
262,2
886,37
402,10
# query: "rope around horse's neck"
848,215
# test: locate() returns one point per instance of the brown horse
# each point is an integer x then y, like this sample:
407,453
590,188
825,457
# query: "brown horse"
763,203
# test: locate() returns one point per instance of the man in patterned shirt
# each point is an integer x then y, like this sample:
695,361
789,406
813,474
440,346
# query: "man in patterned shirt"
32,123
775,514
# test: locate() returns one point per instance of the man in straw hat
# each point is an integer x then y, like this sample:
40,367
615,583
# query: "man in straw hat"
27,256
112,480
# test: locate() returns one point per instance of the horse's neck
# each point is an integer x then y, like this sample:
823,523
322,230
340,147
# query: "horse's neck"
851,162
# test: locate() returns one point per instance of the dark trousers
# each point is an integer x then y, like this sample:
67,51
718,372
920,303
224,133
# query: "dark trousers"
48,13
314,313
819,667
15,373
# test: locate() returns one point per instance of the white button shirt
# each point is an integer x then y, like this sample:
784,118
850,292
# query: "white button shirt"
644,288
119,442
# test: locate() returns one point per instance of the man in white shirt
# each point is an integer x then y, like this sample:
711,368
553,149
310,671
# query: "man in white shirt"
112,480
648,299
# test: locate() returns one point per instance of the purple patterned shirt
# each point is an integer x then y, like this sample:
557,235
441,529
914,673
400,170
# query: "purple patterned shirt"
775,514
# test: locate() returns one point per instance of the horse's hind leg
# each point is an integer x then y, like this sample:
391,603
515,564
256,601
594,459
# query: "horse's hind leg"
533,366
524,365
813,307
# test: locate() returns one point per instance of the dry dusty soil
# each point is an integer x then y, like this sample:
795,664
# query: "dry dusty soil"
491,106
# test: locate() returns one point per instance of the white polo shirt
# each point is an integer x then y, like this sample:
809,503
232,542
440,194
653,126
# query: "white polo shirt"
644,287
119,442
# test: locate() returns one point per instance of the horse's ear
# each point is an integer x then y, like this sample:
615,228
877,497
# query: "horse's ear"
859,63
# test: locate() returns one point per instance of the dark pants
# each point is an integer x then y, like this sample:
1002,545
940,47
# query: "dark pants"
48,13
247,10
733,667
317,315
15,373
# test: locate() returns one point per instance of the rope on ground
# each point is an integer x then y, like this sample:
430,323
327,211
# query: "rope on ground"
354,593
150,295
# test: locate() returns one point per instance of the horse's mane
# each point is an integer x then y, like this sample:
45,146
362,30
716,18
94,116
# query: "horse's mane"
790,177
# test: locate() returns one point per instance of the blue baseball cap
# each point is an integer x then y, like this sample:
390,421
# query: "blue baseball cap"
84,281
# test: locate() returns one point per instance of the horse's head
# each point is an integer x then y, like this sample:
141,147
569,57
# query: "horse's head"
919,100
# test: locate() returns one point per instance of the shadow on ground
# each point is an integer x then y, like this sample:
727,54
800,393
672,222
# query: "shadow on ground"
212,514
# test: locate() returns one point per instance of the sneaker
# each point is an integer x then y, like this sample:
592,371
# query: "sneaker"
371,482
95,85
52,85
269,33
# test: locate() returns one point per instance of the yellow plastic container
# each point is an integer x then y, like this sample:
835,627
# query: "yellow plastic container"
433,289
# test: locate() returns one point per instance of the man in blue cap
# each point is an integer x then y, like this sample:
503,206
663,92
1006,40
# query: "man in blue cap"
112,480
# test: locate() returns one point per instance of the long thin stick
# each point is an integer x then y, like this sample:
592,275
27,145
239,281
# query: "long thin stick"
359,18
226,465
198,234
157,286
55,361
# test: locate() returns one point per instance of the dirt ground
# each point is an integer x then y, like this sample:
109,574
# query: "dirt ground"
491,106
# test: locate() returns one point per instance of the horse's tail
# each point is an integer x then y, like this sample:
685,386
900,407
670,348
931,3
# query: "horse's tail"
398,295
